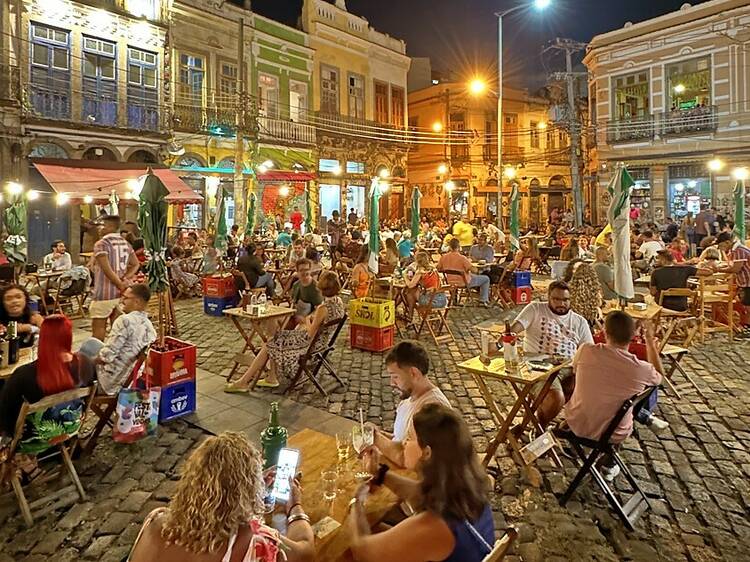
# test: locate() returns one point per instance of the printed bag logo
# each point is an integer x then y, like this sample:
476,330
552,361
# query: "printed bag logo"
178,404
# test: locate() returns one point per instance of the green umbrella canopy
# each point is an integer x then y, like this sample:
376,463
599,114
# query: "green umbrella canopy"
739,211
14,218
515,244
416,195
250,224
308,211
220,243
152,220
374,241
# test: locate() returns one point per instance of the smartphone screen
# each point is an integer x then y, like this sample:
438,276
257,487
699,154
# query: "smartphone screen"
286,468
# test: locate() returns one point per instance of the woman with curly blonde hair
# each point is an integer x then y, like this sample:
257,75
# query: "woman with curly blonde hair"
216,512
585,292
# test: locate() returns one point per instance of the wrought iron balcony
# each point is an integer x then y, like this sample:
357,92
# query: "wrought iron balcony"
688,121
285,131
629,130
342,125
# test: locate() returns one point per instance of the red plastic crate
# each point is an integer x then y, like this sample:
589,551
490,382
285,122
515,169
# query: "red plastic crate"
171,366
521,295
219,286
371,339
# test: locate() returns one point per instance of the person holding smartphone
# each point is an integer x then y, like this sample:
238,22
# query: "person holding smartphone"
217,511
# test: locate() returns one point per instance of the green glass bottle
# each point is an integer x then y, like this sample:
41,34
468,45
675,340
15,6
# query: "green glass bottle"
273,437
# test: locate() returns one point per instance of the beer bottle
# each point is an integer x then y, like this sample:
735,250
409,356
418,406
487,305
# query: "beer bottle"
273,437
13,342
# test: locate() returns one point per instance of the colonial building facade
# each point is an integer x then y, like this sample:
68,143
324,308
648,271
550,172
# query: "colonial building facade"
456,167
667,96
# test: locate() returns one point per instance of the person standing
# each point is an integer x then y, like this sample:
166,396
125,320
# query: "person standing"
464,232
352,218
296,219
335,228
115,264
704,224
739,254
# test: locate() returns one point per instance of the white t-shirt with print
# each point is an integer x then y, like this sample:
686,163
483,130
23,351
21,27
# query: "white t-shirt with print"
547,333
650,249
405,411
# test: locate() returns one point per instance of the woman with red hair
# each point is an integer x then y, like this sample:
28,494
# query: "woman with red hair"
56,369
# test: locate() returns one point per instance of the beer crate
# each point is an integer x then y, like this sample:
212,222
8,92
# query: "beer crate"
371,312
173,364
521,279
371,339
215,306
219,286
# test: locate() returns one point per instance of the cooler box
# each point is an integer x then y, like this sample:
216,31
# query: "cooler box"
374,313
522,295
521,279
175,364
177,400
215,306
219,286
371,339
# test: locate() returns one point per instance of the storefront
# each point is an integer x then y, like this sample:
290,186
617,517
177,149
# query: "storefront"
688,189
640,195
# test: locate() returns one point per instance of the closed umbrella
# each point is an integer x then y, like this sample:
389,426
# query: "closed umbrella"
250,225
14,217
220,241
374,241
514,195
152,220
113,206
739,210
416,195
618,215
308,211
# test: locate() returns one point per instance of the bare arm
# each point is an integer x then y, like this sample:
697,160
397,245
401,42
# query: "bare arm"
652,348
313,323
391,450
299,539
517,327
133,266
109,273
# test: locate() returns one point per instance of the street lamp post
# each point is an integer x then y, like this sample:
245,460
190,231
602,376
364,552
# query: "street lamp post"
539,5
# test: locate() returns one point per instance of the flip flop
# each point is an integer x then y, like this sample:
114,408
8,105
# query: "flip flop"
235,390
263,383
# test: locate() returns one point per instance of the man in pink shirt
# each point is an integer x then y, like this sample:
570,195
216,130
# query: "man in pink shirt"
455,262
608,374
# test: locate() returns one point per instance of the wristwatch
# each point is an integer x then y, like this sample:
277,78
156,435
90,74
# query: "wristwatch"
379,477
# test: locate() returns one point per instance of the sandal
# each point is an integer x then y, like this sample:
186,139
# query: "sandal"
263,383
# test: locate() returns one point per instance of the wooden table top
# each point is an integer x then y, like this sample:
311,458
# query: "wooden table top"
318,454
272,311
496,370
24,357
652,311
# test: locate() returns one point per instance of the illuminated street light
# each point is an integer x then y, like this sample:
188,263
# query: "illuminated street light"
62,198
337,171
477,86
679,89
268,164
509,172
284,191
715,165
449,185
442,169
542,4
740,174
32,195
437,126
262,168
88,199
384,173
14,188
541,125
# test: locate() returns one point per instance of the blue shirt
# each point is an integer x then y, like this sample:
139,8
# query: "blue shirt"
487,253
470,547
404,248
284,239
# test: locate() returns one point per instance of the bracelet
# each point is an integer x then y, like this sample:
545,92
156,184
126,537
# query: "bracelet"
289,511
298,517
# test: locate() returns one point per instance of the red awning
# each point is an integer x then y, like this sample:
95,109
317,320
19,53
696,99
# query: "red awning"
79,179
282,175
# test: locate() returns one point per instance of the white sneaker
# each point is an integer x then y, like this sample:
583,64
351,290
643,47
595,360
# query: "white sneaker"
658,425
610,473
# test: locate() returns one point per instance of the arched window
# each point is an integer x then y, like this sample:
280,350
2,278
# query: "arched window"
189,161
557,181
226,164
48,150
144,156
99,153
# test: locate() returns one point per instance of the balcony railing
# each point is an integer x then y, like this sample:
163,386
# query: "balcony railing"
49,103
686,121
286,131
629,130
342,125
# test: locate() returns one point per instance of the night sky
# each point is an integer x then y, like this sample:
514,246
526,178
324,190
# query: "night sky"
460,36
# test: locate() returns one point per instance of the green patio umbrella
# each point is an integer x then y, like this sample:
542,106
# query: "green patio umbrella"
739,211
374,241
152,220
308,211
220,241
416,195
14,218
250,224
514,200
619,217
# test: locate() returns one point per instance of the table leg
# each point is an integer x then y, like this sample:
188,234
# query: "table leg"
248,344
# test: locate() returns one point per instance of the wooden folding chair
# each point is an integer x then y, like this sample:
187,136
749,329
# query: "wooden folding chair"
104,406
502,545
631,510
673,355
316,358
500,292
433,318
65,442
717,290
72,303
455,280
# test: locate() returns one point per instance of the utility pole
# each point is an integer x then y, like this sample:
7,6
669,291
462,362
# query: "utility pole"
574,125
239,134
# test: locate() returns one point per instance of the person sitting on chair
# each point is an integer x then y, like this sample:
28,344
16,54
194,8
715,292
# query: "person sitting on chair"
250,264
668,275
58,259
361,278
14,307
424,279
454,261
306,296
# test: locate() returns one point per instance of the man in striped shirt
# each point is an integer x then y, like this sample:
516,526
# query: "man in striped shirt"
115,264
739,255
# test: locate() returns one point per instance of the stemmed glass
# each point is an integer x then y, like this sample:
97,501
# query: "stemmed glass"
363,436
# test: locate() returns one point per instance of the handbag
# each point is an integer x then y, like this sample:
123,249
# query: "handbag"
137,410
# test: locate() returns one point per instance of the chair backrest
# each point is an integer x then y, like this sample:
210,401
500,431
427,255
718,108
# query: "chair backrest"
689,294
338,322
502,545
454,277
634,402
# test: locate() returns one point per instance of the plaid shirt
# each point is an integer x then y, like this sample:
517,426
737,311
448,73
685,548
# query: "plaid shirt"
740,252
118,251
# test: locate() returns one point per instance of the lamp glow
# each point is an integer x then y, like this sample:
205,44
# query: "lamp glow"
14,188
262,168
442,169
679,187
715,165
541,125
740,174
437,126
32,195
509,173
284,191
384,173
449,185
337,170
679,89
62,198
477,86
384,186
542,4
88,200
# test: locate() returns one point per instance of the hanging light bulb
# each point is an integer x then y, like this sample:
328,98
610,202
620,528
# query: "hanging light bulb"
284,191
88,200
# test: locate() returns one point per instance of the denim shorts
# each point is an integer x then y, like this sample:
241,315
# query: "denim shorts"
440,300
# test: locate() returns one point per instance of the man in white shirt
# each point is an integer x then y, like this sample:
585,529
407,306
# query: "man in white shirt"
552,329
650,247
407,365
59,259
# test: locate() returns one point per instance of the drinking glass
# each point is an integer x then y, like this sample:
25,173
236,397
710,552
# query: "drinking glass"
362,437
343,441
329,478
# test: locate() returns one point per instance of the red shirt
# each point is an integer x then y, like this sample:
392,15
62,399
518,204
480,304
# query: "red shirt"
296,219
740,252
677,254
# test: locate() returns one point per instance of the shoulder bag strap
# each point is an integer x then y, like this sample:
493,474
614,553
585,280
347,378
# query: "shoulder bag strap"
476,535
146,523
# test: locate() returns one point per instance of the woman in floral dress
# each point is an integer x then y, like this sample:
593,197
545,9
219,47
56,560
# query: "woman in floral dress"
287,346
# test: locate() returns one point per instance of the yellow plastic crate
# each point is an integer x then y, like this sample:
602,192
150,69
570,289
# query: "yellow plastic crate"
375,313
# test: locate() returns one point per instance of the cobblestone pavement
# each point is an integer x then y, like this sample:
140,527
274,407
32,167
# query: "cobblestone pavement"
697,472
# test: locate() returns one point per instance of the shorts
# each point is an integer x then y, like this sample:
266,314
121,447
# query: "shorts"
103,309
440,300
557,383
